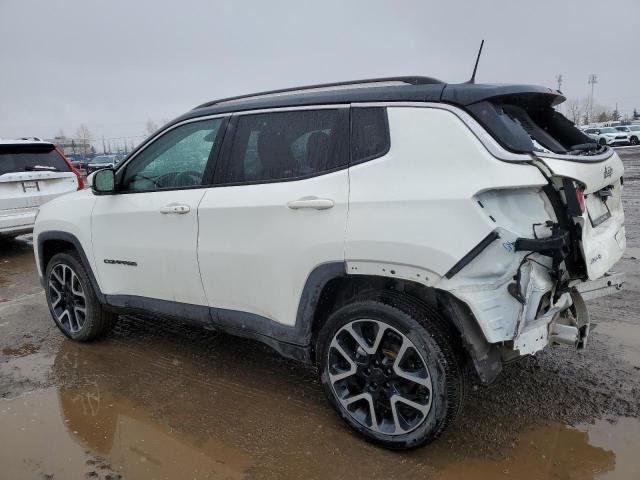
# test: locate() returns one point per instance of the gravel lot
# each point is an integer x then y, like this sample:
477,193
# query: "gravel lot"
172,401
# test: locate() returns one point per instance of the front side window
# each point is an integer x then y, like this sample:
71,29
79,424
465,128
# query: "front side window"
286,145
177,159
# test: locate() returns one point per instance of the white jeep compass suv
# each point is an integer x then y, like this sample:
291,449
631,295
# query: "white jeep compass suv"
391,231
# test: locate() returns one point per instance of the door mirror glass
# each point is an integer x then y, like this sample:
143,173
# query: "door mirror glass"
104,181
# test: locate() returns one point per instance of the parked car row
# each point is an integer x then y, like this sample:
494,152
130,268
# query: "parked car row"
608,136
615,136
102,161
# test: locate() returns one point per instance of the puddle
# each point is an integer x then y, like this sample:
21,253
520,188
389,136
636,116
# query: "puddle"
603,450
84,433
121,411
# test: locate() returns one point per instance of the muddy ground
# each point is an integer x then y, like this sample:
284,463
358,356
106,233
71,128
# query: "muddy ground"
173,401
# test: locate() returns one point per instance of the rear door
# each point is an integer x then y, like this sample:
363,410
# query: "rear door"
277,211
145,235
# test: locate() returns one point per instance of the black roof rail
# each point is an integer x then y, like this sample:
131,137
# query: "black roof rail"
412,80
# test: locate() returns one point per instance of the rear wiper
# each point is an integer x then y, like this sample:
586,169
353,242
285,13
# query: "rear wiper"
38,168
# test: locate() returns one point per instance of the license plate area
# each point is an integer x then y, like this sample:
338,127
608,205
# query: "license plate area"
597,209
30,186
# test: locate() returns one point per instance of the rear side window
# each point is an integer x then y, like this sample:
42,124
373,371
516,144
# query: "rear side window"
31,158
286,145
369,134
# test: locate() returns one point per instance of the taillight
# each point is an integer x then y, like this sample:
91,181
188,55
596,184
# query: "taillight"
76,172
580,199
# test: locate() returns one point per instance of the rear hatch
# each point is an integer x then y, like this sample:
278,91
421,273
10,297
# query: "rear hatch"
599,212
32,174
587,177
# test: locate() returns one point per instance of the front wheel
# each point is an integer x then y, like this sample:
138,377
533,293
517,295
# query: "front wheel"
393,374
72,301
602,142
633,140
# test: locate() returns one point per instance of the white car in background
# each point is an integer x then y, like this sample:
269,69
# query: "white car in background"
632,130
32,172
608,136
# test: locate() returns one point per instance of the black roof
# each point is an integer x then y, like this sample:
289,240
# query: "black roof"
389,89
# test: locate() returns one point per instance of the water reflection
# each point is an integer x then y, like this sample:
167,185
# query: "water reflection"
150,420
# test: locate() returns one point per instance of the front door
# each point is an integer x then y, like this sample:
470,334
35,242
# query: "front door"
145,235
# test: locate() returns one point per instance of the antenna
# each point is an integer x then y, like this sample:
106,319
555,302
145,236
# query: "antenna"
473,75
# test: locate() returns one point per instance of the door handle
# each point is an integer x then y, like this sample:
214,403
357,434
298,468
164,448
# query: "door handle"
311,202
174,208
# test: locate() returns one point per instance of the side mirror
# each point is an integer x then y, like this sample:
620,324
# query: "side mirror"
103,182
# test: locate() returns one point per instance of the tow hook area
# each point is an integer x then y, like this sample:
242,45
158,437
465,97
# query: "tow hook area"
571,327
556,246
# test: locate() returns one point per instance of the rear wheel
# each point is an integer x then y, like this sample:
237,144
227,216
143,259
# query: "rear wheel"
72,301
390,372
633,140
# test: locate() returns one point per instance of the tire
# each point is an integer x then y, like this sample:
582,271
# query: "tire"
602,142
72,300
415,341
633,140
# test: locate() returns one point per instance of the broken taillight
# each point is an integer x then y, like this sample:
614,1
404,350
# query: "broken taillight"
580,199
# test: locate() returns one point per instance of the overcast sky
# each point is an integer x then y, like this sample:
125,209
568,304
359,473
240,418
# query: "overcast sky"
114,64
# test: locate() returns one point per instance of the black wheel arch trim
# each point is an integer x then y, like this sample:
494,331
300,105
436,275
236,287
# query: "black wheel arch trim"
57,235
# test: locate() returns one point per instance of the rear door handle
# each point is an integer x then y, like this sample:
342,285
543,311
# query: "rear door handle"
311,202
175,208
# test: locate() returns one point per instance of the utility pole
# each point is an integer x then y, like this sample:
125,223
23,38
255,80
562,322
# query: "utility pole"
559,79
593,79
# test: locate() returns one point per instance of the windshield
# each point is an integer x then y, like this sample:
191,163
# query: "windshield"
608,130
26,158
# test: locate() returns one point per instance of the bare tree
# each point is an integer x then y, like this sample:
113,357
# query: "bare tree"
150,127
574,110
83,134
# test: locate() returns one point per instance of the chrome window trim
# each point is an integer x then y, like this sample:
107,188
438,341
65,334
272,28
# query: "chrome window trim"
150,140
490,143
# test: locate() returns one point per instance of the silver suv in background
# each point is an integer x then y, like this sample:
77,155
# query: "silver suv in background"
608,136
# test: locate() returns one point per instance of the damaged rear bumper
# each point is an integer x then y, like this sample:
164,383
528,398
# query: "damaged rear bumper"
568,323
607,285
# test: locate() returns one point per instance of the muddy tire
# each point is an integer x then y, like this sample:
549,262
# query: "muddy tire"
392,370
72,301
